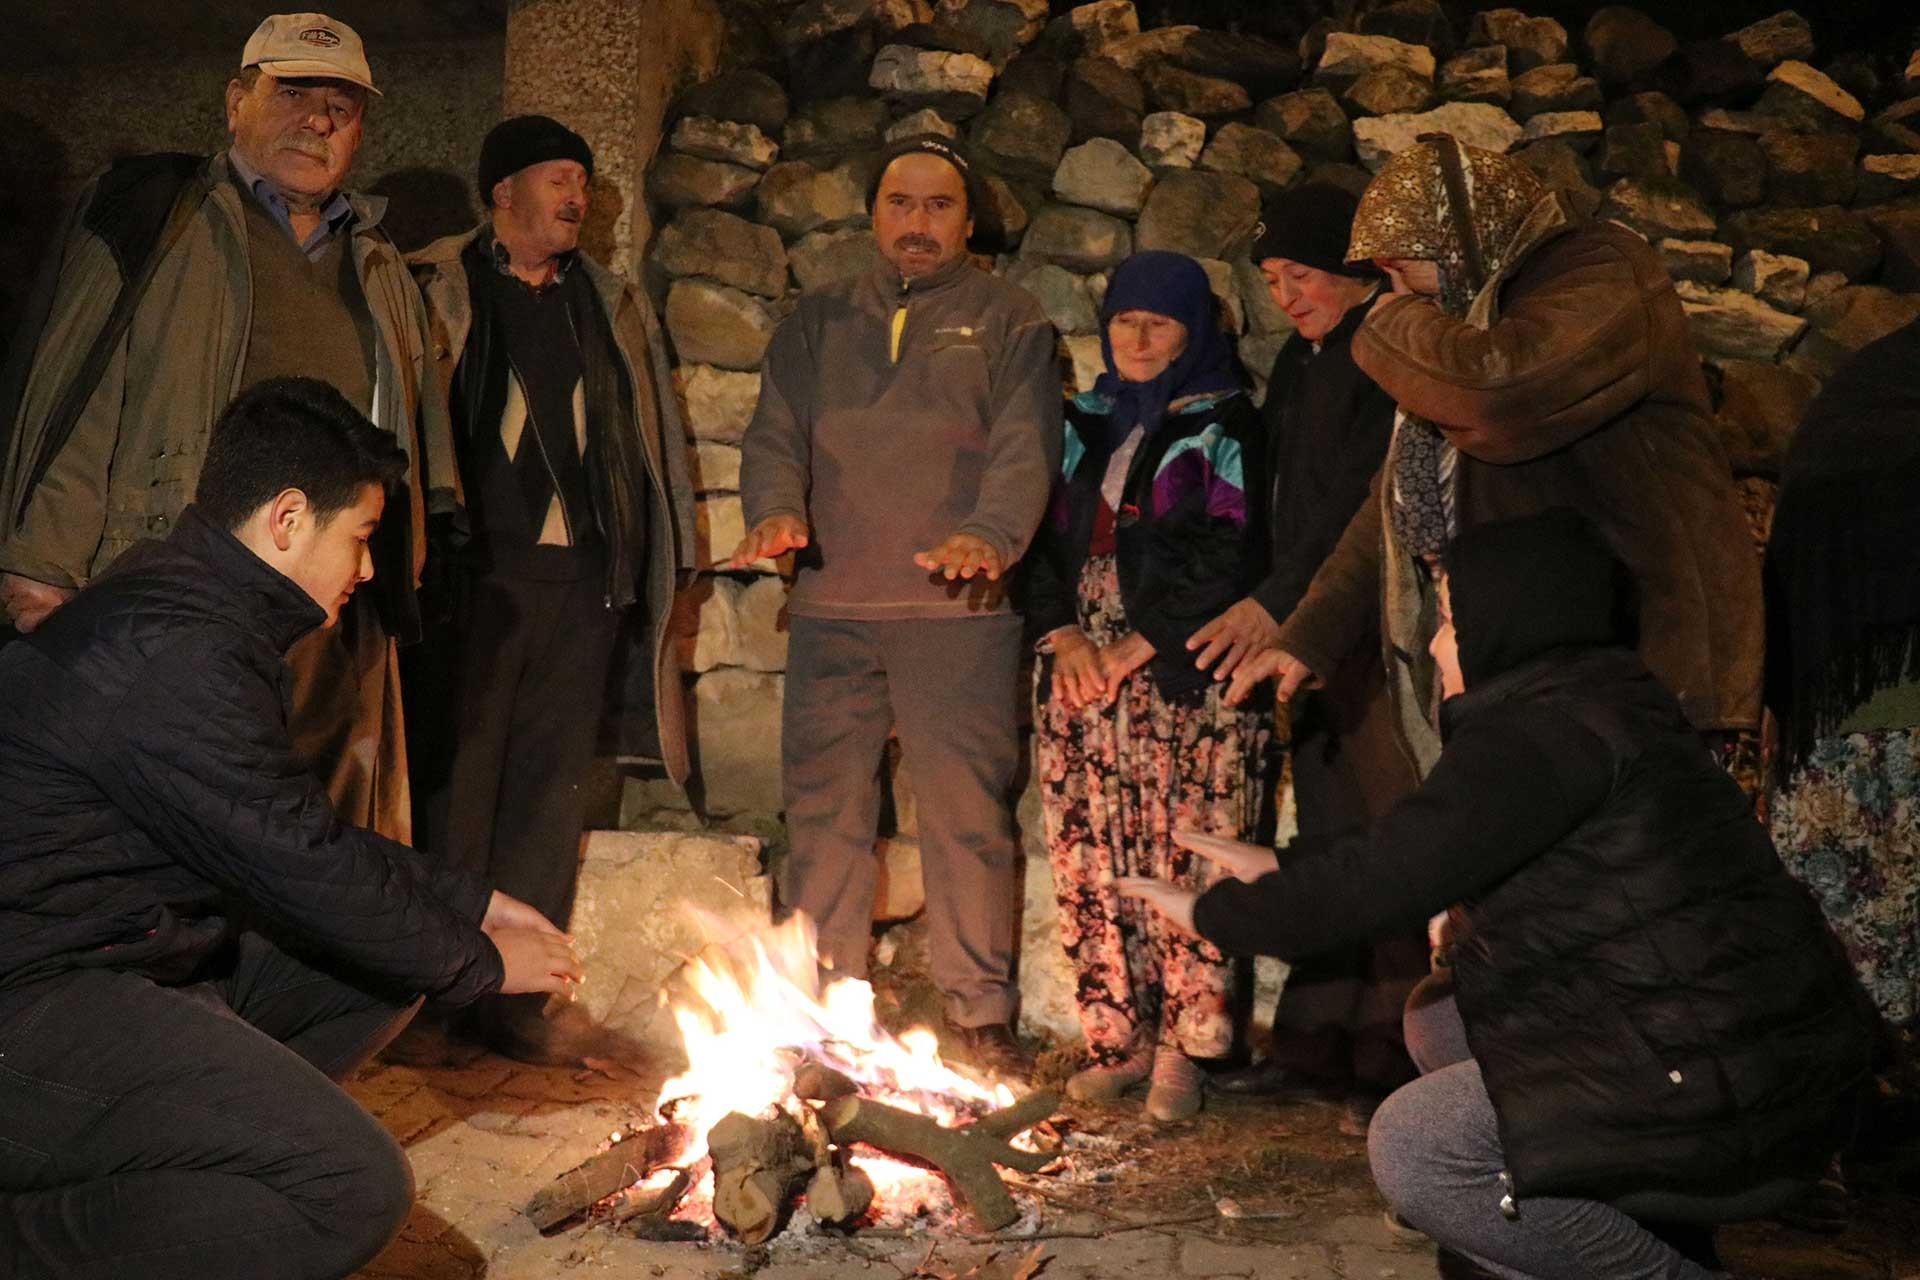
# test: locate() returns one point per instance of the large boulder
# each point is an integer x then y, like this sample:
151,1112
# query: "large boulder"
1701,261
1624,44
1078,239
1004,212
1895,130
955,84
1728,168
1899,231
723,247
1558,86
1386,91
1093,28
751,97
1310,122
795,197
833,127
1261,66
1174,88
1829,237
1636,151
1885,177
714,324
1347,57
726,140
1659,209
1060,293
916,124
1254,154
1102,174
760,611
1198,213
682,182
1651,107
1761,404
1776,279
1477,124
706,624
821,258
1104,101
1847,320
1529,42
633,932
1578,129
719,402
1169,140
1418,22
735,731
713,468
1564,169
1716,71
1727,324
1771,41
1810,168
1022,136
997,29
1477,75
1808,100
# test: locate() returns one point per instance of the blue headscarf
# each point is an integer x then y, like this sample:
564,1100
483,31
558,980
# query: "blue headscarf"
1174,285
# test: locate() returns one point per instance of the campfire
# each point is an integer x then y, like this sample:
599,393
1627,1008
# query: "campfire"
794,1091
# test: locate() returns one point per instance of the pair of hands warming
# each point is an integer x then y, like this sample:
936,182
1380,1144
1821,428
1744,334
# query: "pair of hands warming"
962,555
1242,646
1086,674
28,602
536,955
1244,862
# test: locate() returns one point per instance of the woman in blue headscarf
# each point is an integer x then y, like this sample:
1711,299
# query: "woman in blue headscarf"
1149,536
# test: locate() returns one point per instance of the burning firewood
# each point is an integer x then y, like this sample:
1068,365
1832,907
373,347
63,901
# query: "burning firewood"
965,1155
621,1165
839,1192
757,1166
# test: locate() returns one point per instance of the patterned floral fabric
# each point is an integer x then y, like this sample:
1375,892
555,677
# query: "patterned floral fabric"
1847,826
1114,782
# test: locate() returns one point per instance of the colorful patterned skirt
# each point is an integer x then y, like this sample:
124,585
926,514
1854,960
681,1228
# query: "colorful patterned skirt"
1114,783
1847,826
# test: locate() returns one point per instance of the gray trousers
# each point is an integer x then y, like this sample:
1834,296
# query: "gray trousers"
948,686
1435,1150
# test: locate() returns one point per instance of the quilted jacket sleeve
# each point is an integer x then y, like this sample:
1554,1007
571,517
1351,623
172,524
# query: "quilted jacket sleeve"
199,751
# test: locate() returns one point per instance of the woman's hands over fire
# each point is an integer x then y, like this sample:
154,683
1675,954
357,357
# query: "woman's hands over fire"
1086,674
1288,672
535,955
1242,861
1243,630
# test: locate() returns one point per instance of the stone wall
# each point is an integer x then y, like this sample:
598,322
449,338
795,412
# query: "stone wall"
1782,188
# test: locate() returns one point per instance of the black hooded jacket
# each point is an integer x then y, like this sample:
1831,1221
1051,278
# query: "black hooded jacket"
153,803
1655,1005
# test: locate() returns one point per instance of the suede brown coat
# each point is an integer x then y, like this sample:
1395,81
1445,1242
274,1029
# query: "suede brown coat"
1583,392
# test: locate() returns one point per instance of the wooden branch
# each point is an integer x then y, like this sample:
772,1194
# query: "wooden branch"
757,1166
839,1193
624,1163
657,1203
966,1156
1018,1118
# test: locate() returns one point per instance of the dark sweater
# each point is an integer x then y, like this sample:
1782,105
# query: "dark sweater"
153,798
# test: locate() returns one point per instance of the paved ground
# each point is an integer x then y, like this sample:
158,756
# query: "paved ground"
484,1136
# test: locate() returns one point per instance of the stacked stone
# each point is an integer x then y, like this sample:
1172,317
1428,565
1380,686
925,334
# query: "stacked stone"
1784,197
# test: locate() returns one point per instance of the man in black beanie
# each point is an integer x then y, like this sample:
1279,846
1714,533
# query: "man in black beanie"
1337,1028
573,459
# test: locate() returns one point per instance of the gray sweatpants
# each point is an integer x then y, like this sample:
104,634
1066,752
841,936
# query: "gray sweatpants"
948,686
1435,1151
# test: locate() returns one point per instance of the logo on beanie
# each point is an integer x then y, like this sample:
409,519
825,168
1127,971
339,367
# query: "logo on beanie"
319,37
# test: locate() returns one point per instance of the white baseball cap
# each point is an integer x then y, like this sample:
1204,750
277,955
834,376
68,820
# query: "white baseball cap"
290,45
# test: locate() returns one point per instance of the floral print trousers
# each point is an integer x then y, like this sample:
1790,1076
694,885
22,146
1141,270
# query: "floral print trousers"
1847,825
1114,783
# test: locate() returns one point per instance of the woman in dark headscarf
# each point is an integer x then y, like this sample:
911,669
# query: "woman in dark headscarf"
1148,537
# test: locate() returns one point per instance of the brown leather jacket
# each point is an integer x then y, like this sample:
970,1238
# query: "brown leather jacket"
1584,392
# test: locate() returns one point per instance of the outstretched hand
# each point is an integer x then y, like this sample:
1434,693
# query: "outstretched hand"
536,955
963,555
773,536
1288,671
1170,900
1245,629
1244,862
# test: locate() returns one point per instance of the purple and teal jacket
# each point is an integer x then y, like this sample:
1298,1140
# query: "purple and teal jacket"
1190,534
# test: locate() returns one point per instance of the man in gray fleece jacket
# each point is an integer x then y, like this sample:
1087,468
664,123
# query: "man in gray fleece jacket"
905,442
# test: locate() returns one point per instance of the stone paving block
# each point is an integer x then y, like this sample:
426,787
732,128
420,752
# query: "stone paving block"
1364,1228
407,1259
478,1079
1364,1262
1136,1253
1204,1258
416,1116
562,1086
383,1089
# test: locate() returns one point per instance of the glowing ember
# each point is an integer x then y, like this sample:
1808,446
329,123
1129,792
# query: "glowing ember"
757,1010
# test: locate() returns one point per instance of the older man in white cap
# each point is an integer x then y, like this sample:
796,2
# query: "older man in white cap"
181,281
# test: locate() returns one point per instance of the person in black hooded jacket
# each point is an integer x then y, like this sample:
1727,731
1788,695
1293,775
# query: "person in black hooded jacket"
193,945
1648,1019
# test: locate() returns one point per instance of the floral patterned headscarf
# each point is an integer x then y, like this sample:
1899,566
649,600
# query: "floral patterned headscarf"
1409,212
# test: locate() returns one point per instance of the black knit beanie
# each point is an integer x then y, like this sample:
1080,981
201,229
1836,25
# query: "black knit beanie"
1311,225
513,144
932,144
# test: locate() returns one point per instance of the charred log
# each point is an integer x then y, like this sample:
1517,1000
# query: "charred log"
966,1156
621,1165
757,1167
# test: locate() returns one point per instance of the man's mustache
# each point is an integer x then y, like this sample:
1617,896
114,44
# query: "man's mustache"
307,144
910,243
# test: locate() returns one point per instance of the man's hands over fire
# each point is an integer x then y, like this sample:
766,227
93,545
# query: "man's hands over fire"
536,955
961,556
775,535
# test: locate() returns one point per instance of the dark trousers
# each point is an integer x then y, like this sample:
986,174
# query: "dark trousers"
948,686
529,691
194,1131
1338,1021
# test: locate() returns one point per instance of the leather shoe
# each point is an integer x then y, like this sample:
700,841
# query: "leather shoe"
1268,1079
994,1049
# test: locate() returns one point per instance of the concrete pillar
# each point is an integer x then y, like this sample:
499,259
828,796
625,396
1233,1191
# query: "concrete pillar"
608,69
